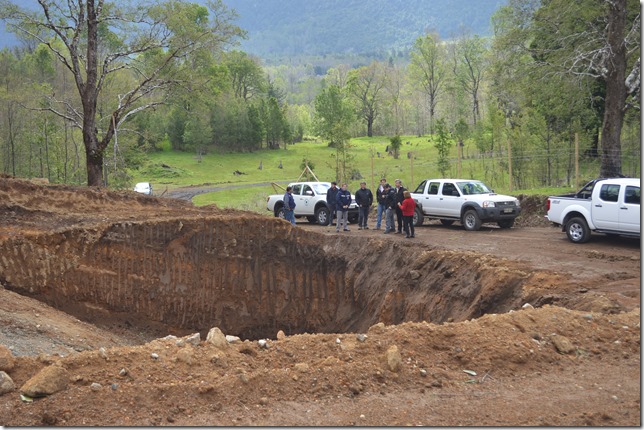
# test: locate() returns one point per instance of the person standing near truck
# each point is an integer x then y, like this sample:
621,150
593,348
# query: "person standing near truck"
343,201
399,199
289,205
364,200
407,208
331,195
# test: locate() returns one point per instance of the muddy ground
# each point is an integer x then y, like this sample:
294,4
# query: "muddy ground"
398,321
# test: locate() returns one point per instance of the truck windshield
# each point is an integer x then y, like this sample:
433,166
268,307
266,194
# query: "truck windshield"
473,187
321,188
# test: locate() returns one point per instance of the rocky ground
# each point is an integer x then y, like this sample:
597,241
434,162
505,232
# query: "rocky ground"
566,353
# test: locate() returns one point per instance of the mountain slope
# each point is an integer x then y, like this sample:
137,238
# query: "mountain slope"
296,27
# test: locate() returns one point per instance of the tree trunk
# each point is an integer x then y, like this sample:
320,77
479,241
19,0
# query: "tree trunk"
370,126
611,161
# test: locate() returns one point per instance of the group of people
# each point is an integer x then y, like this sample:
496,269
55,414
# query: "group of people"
390,201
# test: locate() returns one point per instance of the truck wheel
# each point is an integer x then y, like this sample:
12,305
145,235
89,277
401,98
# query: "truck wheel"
352,219
447,222
322,215
418,217
577,230
311,219
471,220
279,212
506,223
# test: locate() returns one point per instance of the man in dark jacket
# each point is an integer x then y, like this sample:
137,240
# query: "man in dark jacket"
399,199
343,201
331,195
364,200
390,204
289,205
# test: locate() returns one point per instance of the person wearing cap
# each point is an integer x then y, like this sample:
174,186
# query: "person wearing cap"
380,198
289,205
343,201
390,204
364,200
331,195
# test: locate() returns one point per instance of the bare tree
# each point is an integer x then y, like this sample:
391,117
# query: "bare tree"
148,45
428,69
365,85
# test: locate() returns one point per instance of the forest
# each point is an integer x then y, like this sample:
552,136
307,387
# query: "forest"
94,88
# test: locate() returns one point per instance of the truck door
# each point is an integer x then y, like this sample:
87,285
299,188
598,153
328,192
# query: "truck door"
629,210
605,209
430,202
305,203
450,200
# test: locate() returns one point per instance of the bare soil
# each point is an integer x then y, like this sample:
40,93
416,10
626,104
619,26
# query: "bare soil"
84,269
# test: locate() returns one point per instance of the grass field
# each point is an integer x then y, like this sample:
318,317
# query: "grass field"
417,161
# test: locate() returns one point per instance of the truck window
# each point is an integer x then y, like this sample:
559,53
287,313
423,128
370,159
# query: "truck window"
420,189
609,192
448,189
307,188
297,189
433,188
632,195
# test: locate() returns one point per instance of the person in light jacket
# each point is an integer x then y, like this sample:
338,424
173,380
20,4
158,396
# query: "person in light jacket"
380,198
343,201
364,200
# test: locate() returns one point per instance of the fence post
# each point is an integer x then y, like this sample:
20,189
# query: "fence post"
510,162
576,160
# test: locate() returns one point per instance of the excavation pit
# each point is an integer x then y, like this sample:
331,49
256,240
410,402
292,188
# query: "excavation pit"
252,277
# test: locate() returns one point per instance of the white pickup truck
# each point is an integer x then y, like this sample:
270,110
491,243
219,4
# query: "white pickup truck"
468,201
310,202
610,206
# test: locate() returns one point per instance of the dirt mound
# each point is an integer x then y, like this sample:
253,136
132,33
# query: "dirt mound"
397,322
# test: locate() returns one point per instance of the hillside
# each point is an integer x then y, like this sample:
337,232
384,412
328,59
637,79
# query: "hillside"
295,27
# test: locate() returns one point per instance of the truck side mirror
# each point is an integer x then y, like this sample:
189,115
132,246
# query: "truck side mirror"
308,193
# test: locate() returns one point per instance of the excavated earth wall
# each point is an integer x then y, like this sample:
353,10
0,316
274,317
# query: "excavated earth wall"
251,276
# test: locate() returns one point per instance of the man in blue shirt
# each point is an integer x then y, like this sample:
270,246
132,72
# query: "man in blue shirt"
289,205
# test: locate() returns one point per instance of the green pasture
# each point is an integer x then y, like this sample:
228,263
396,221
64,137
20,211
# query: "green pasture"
417,161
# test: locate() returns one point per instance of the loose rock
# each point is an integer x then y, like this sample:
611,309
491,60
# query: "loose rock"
102,353
563,344
301,367
376,328
414,274
232,339
123,372
281,335
361,337
6,383
262,343
95,386
194,339
49,380
216,338
7,360
154,355
393,358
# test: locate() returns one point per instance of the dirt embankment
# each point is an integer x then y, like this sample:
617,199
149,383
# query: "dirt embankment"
139,267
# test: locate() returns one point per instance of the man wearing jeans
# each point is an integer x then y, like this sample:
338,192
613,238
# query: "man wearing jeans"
380,198
289,206
390,203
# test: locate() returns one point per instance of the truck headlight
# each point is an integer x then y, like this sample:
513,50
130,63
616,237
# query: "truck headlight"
489,204
517,203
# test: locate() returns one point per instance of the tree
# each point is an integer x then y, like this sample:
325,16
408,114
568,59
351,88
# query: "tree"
156,47
470,64
587,39
443,144
365,86
332,119
246,74
428,69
